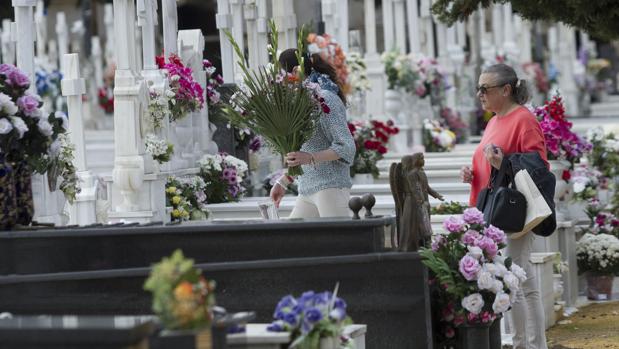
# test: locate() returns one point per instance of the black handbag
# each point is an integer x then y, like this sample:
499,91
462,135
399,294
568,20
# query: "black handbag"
503,206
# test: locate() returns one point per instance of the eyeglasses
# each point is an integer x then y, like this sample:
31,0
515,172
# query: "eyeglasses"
484,89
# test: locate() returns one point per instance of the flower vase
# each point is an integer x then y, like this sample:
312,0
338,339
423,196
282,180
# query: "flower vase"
494,334
363,178
476,336
329,343
599,287
393,103
23,193
557,167
8,204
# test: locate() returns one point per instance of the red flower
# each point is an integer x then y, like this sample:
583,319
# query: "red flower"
370,145
160,60
326,109
449,332
382,149
352,128
566,175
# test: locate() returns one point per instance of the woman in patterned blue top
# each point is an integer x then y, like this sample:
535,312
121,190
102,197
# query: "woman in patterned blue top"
324,187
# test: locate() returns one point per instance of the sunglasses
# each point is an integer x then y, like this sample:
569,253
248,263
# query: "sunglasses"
483,89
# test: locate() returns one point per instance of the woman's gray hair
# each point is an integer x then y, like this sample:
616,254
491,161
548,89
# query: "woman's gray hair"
507,75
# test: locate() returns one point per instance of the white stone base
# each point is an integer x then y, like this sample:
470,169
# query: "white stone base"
542,267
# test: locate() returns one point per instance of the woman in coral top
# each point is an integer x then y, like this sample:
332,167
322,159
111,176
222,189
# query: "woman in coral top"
513,129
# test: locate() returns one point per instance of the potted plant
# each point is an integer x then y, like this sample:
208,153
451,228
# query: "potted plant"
371,139
597,259
316,320
472,281
183,301
436,137
187,198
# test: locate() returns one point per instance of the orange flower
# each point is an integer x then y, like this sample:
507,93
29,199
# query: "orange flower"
311,37
184,291
292,78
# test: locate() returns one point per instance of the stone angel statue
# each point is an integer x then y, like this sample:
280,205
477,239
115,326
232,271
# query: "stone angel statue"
410,190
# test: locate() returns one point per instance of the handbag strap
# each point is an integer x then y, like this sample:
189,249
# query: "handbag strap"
503,175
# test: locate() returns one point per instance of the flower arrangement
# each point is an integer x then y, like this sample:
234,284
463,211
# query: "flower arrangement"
282,108
333,53
371,139
159,106
454,121
451,207
187,197
534,72
473,282
311,317
561,142
598,254
436,137
27,134
105,93
604,153
223,175
213,81
432,79
160,149
585,182
188,94
399,71
357,75
182,297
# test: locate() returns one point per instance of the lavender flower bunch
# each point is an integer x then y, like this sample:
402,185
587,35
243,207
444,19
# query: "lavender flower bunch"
223,175
311,317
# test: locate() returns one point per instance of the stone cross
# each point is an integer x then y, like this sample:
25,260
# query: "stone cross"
388,27
236,7
108,21
263,31
567,57
461,34
53,54
399,14
8,44
25,43
224,22
523,28
426,15
497,28
97,59
170,27
342,9
62,33
41,24
330,17
286,20
251,15
82,211
509,45
412,13
374,101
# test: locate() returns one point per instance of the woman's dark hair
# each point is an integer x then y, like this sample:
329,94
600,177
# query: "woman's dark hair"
288,60
507,76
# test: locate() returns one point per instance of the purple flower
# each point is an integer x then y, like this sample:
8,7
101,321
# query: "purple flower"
495,234
473,216
488,245
19,79
337,314
291,319
438,241
28,104
6,69
313,315
469,267
470,237
454,224
277,326
255,144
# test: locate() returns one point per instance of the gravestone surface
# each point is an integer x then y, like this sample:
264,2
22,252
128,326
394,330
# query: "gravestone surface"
108,248
386,291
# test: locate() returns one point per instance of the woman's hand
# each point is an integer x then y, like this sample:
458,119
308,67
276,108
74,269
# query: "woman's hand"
466,174
297,158
494,155
277,193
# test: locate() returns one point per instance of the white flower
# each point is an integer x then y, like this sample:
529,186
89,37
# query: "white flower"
475,252
519,272
485,280
490,268
497,287
45,127
579,187
473,303
7,105
19,125
500,269
512,282
54,148
5,126
501,303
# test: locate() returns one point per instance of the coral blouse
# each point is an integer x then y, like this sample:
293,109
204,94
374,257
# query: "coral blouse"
517,132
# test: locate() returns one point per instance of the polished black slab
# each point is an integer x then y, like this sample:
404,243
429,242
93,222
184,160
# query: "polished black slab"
120,247
386,291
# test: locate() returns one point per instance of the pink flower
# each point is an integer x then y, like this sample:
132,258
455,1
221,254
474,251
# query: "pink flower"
28,104
470,237
450,332
448,314
19,79
459,320
473,216
438,241
454,224
486,317
469,267
495,234
471,317
488,245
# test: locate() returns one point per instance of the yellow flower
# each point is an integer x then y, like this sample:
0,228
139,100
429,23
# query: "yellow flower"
176,200
176,213
184,291
171,190
185,214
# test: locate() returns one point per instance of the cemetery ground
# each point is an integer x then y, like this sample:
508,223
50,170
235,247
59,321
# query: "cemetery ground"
595,326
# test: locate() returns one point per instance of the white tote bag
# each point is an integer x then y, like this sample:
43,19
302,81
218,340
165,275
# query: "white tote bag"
537,207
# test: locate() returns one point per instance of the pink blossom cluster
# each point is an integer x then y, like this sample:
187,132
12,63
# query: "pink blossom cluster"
561,142
213,82
189,94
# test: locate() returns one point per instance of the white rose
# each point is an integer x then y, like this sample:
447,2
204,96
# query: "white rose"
7,105
45,127
490,268
485,280
519,272
5,126
19,125
579,187
501,303
500,269
475,252
473,303
499,259
54,148
497,287
511,281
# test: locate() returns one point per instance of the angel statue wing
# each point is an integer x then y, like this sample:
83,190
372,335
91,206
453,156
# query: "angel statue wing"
395,182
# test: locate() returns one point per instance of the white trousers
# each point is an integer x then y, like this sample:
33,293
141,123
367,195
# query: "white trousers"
331,202
527,314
